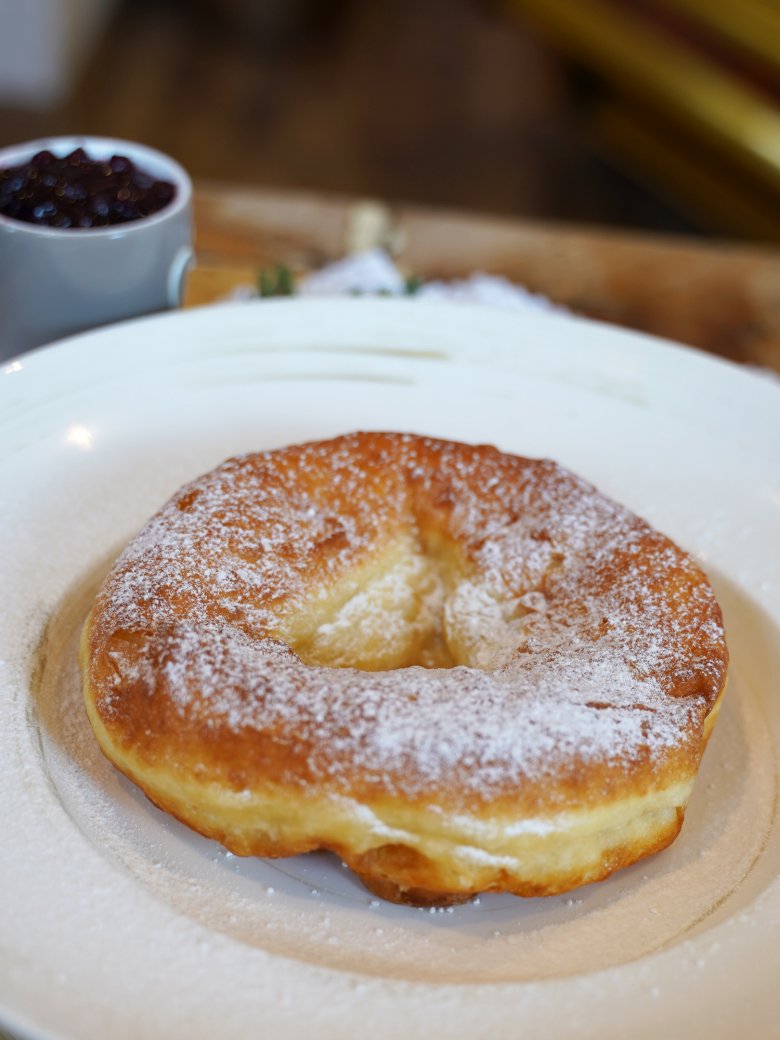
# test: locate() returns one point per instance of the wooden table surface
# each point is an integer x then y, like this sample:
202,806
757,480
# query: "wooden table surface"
723,298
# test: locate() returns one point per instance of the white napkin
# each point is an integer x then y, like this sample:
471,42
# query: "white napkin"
373,273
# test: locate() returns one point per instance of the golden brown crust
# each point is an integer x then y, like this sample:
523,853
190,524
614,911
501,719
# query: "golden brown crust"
253,663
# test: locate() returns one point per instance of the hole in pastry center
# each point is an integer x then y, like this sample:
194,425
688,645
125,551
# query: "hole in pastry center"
391,613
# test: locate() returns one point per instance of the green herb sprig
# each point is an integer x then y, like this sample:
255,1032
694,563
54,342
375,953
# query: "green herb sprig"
276,281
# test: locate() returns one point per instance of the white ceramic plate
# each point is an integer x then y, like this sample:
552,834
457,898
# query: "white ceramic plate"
117,922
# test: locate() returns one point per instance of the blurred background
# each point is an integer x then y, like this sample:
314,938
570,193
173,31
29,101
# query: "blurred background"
654,114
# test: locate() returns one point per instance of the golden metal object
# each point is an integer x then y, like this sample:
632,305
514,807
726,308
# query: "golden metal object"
711,112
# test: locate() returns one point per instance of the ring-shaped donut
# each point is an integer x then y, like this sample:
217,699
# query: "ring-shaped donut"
458,669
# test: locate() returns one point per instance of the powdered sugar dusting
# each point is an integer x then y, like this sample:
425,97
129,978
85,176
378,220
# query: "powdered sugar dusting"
579,634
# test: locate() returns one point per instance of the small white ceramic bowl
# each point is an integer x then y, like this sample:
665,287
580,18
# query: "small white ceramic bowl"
58,281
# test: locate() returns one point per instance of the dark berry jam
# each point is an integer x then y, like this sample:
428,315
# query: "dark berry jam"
74,191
